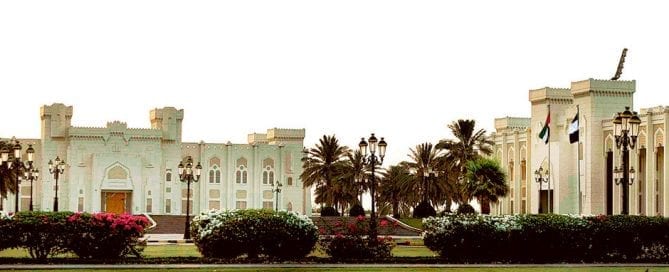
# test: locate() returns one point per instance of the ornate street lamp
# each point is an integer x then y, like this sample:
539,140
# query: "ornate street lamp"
31,174
541,176
56,169
428,174
372,161
277,190
187,175
17,165
626,129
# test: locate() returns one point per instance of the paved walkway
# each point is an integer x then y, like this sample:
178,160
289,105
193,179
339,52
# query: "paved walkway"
159,239
183,266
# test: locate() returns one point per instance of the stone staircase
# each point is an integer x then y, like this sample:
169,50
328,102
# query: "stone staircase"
169,224
328,225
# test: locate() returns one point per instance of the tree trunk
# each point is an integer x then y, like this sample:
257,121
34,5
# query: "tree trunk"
396,212
485,206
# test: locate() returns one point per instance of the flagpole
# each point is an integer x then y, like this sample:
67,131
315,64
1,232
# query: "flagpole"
578,161
550,207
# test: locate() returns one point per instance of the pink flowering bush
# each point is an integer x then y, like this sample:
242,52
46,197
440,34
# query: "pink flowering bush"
348,241
43,234
104,235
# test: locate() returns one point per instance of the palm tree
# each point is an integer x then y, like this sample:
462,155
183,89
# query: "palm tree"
8,176
425,162
355,173
468,145
321,166
486,182
396,189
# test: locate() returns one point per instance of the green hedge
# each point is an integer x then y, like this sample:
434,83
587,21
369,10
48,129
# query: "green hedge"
230,234
548,238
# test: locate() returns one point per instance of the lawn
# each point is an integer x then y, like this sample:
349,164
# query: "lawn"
383,269
189,250
414,222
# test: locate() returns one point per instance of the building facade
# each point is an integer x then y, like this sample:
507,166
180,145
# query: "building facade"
134,170
581,178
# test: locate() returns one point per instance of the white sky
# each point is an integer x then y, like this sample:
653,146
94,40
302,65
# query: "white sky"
402,69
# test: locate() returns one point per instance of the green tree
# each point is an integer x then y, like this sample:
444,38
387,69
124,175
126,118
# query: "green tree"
486,181
355,173
430,177
321,168
469,144
8,176
396,190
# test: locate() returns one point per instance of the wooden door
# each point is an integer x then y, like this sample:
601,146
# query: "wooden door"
115,202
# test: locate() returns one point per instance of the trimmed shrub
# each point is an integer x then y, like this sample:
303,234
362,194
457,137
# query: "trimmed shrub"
329,211
424,209
348,241
43,234
7,232
104,235
548,238
465,209
230,234
356,210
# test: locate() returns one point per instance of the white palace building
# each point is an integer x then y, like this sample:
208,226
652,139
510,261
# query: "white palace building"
134,170
589,164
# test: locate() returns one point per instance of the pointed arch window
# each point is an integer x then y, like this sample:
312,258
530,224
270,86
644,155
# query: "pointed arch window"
241,172
215,174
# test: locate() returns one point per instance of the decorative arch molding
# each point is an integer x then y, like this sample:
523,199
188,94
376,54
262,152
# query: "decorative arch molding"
609,143
523,152
659,137
499,154
643,139
116,177
511,153
214,160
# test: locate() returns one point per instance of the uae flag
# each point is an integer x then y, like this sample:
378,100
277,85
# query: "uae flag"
545,132
573,130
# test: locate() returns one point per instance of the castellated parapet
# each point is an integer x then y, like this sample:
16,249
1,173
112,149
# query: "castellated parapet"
547,95
257,138
56,120
285,136
519,123
600,86
169,121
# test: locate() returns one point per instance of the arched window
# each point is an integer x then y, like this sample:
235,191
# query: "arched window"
168,175
268,172
241,174
268,176
290,181
215,175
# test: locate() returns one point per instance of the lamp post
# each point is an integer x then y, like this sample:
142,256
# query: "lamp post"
56,169
626,130
277,190
31,173
428,174
372,161
187,175
16,162
541,176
